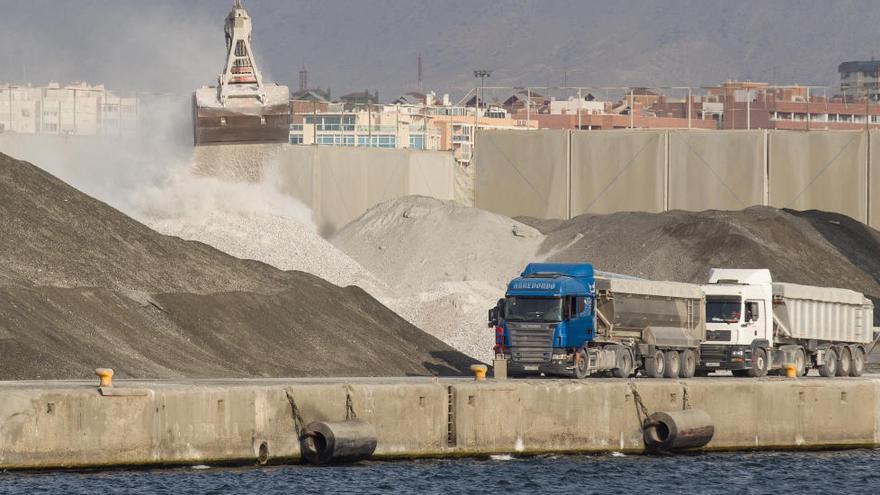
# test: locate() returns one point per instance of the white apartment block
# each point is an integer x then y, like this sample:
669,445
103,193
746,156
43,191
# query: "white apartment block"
73,109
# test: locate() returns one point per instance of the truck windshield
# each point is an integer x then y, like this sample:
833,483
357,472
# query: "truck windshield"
533,309
723,309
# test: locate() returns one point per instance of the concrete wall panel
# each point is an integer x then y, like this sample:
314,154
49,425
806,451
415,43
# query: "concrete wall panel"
722,170
617,171
819,170
874,183
432,173
522,172
340,184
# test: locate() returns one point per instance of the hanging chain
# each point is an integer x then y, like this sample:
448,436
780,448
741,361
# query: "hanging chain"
298,423
349,406
641,410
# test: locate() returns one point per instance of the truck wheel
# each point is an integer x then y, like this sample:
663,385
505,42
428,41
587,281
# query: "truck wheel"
581,370
655,366
624,365
759,363
800,362
673,364
844,361
858,362
688,364
830,367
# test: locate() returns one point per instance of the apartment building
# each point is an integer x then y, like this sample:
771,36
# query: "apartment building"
72,109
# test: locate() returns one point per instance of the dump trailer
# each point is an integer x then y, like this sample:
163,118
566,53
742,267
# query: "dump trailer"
241,108
755,326
568,320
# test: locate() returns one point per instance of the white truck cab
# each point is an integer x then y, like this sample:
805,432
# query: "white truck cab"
755,326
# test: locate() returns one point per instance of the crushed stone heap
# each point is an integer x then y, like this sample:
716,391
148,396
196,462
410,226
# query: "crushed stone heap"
84,286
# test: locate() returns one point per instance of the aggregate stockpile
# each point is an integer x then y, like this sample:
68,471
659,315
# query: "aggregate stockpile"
442,264
809,248
84,286
755,325
563,319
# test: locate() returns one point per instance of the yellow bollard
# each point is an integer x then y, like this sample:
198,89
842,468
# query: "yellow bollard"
790,371
479,371
106,376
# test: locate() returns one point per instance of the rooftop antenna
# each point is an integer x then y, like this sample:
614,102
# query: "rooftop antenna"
420,72
303,79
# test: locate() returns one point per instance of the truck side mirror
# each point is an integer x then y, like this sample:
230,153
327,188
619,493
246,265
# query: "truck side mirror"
493,317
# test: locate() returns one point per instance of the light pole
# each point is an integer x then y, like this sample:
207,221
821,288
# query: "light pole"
482,74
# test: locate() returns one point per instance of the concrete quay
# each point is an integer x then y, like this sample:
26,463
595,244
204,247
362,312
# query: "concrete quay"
54,424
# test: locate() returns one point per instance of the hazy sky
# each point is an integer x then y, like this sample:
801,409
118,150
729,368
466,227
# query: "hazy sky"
176,45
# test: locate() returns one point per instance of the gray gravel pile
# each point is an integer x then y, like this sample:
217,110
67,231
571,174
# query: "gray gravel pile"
84,286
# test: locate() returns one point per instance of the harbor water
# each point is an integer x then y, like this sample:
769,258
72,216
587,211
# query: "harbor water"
852,471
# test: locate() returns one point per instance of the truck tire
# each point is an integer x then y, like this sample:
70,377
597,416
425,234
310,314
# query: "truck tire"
688,364
830,367
673,364
624,364
581,370
844,361
655,365
858,362
759,363
800,362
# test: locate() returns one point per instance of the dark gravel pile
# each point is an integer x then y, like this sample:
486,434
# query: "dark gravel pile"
810,247
84,286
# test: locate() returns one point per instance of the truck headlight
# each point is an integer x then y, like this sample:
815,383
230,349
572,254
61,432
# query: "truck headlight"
737,352
559,357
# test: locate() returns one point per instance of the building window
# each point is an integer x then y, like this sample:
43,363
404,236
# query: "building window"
382,141
417,141
296,139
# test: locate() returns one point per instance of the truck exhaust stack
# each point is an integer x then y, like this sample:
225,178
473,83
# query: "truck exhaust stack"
241,108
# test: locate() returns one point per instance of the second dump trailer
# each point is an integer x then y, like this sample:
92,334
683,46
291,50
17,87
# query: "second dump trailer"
755,326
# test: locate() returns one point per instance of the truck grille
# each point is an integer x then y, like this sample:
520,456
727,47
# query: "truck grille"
531,342
718,335
713,353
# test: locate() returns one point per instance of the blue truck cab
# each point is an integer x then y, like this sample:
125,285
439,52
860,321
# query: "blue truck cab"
546,316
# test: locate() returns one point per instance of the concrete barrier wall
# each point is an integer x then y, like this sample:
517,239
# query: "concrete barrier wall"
721,170
55,425
523,173
874,182
617,171
654,171
820,170
340,184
